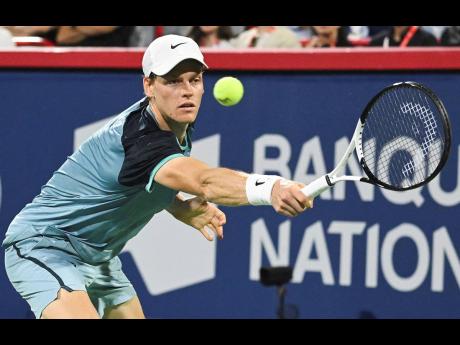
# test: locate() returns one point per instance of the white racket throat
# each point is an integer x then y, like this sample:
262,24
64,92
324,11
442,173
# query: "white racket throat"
325,182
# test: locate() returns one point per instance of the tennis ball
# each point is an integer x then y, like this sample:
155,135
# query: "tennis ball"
228,91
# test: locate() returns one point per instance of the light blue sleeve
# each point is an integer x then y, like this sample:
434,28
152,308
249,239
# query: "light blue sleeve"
149,186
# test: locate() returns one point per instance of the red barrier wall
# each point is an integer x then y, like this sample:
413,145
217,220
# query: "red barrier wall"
335,59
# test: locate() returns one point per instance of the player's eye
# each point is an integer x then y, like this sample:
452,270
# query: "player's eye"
196,81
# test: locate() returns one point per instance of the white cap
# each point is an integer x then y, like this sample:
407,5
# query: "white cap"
165,52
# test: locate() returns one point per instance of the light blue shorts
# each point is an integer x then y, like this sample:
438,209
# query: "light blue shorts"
38,267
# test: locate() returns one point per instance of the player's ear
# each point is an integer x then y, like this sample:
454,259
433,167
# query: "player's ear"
148,90
202,79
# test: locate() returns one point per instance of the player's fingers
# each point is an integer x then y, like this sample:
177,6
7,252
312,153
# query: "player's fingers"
303,201
300,185
221,216
206,233
295,200
217,227
214,229
294,197
286,213
288,210
296,203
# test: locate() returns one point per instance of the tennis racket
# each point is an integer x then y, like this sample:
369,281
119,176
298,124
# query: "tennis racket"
402,141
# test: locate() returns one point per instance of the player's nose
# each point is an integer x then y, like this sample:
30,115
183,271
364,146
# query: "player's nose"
187,88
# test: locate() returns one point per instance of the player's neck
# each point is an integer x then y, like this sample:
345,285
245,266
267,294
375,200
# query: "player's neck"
166,124
179,130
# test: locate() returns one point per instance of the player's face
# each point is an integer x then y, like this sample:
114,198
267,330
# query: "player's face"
177,95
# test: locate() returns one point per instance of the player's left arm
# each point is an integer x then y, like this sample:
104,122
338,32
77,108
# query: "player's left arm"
199,214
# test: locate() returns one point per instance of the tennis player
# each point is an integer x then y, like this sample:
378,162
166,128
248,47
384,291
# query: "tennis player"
61,249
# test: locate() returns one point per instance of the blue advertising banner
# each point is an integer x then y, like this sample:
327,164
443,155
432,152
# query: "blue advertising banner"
361,252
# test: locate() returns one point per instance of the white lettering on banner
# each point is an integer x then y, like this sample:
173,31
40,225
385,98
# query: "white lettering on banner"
312,152
415,166
442,197
443,247
416,279
365,190
411,147
313,236
346,230
379,253
279,164
372,256
261,239
409,196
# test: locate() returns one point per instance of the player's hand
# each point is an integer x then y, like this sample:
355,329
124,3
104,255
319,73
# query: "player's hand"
203,215
288,200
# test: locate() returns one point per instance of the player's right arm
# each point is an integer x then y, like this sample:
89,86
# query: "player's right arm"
232,188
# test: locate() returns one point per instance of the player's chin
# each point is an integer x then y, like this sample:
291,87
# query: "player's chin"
186,115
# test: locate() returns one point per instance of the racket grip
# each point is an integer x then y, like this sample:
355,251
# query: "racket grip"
316,187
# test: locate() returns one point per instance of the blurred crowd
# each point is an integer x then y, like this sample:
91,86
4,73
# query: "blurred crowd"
229,37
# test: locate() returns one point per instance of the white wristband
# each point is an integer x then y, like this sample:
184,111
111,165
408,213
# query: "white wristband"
259,188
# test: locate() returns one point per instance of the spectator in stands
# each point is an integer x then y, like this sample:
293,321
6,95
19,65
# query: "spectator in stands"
45,32
211,36
184,30
374,30
267,37
410,36
29,30
303,32
436,31
142,36
6,38
237,29
358,33
176,30
84,36
451,36
329,36
94,36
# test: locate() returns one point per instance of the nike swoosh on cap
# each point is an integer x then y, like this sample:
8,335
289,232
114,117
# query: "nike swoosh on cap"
174,46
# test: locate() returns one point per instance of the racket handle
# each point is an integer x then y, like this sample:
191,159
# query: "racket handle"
316,187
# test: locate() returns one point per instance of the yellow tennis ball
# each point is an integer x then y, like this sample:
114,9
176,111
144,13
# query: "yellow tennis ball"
228,91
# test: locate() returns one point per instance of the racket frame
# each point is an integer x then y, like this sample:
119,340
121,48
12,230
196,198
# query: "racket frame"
325,182
445,123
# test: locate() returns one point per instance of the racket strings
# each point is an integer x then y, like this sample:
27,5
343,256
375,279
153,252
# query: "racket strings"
404,127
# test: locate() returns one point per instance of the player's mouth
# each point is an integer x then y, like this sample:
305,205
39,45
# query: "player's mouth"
187,105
